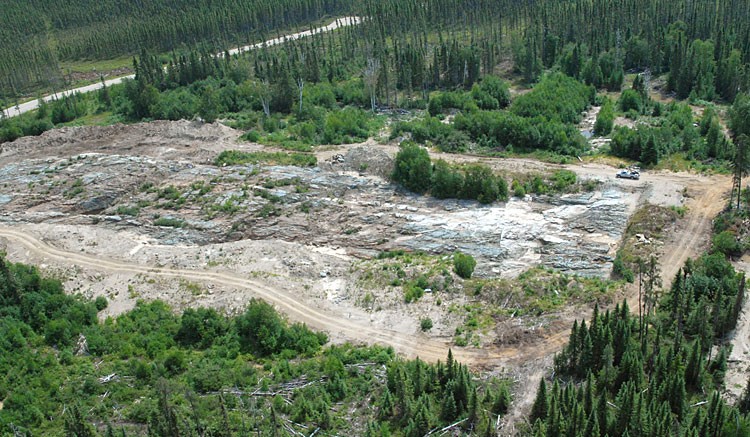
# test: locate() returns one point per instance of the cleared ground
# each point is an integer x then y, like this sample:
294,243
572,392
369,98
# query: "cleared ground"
140,212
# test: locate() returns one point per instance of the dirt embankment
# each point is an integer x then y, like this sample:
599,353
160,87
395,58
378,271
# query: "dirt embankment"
140,212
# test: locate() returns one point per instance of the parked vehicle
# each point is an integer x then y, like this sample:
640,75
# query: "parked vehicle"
628,174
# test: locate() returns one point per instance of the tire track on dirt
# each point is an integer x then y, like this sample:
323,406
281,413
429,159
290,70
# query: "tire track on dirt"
691,238
687,240
299,311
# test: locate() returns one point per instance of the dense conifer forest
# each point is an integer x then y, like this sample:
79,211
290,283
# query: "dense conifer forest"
703,46
37,35
655,371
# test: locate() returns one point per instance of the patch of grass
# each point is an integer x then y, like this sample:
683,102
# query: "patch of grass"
169,193
390,254
269,184
132,293
679,162
130,210
539,155
679,210
538,291
97,119
201,187
674,162
414,272
294,145
87,66
267,195
192,287
75,189
305,207
73,192
173,196
650,221
610,160
169,222
268,210
235,157
556,182
230,206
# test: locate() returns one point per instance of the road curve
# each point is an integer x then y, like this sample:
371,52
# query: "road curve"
33,104
407,344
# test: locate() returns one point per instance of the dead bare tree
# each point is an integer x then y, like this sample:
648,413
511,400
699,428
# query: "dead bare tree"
263,90
300,86
300,82
371,78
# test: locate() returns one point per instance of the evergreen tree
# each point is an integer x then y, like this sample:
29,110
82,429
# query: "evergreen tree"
76,425
540,409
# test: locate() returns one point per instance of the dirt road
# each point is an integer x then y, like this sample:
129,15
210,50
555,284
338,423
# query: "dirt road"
33,104
297,310
704,197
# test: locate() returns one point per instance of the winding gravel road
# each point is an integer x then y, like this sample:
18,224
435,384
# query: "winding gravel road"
297,310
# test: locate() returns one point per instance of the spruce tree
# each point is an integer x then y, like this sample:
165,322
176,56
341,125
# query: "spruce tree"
540,408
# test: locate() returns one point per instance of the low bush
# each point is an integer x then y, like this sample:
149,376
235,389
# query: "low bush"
425,324
464,265
235,157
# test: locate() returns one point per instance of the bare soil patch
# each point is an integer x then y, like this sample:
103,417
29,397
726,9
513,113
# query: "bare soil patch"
141,212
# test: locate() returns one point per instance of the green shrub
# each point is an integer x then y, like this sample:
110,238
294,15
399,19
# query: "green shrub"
425,324
556,98
252,136
481,184
448,100
235,157
563,179
504,129
412,292
621,270
100,303
497,89
169,222
726,243
630,100
345,126
174,362
443,135
447,181
413,168
464,265
605,119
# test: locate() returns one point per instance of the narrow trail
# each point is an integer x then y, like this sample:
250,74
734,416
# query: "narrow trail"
34,104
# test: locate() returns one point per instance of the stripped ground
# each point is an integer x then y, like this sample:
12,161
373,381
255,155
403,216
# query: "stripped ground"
305,278
347,328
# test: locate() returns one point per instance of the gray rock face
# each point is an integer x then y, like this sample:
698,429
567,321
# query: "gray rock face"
574,234
96,204
125,177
